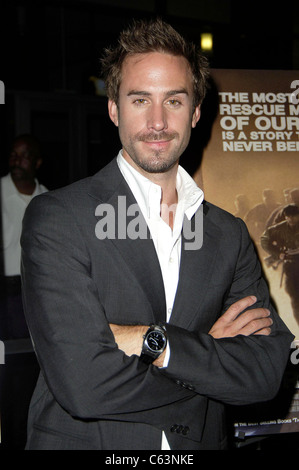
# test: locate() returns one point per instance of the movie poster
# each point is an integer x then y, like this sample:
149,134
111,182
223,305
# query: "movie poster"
250,167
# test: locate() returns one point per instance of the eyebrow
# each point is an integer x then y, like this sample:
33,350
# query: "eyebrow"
167,94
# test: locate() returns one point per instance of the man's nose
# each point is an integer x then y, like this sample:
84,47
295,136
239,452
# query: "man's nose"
14,159
157,118
18,160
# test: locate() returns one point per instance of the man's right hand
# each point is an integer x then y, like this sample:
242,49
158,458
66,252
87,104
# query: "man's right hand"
256,321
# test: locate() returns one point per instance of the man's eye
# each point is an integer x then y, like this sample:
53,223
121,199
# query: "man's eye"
174,102
140,101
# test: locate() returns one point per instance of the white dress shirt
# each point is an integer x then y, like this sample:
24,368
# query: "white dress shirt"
167,241
13,208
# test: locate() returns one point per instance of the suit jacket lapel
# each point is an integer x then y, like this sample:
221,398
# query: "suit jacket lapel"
195,271
107,186
140,254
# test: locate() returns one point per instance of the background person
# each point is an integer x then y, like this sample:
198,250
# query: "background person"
18,188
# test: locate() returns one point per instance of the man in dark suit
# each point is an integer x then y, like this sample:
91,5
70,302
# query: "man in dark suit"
145,303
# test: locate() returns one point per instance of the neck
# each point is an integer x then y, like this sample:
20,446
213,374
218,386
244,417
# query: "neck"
167,181
25,186
169,199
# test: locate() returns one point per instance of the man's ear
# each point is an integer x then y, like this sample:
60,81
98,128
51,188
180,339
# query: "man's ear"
113,111
39,161
196,116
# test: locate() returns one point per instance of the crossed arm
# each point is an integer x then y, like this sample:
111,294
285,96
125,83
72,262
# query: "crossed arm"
233,322
89,376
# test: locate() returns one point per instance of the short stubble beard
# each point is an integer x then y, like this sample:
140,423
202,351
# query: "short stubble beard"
156,163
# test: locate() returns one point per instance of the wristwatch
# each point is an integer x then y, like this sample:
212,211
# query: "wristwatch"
154,343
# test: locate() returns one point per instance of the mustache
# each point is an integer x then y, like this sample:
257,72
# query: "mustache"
16,167
155,137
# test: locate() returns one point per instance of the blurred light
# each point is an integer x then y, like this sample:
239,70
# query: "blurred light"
206,41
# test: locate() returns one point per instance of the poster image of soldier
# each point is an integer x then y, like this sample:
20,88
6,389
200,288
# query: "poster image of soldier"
241,206
281,242
256,218
291,196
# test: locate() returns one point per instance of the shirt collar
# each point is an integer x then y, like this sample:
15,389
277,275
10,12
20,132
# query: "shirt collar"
11,189
148,194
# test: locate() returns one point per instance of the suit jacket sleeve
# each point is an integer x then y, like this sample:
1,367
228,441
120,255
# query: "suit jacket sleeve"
235,370
84,369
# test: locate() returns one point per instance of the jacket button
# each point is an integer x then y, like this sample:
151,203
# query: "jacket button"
180,429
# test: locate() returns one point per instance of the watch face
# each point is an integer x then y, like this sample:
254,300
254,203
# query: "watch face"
155,340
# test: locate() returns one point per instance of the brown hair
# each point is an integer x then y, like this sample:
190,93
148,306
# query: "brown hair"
153,36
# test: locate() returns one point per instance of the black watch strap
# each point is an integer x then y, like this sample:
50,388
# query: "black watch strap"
146,358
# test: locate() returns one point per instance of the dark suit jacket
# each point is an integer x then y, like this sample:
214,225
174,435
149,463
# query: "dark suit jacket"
92,396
